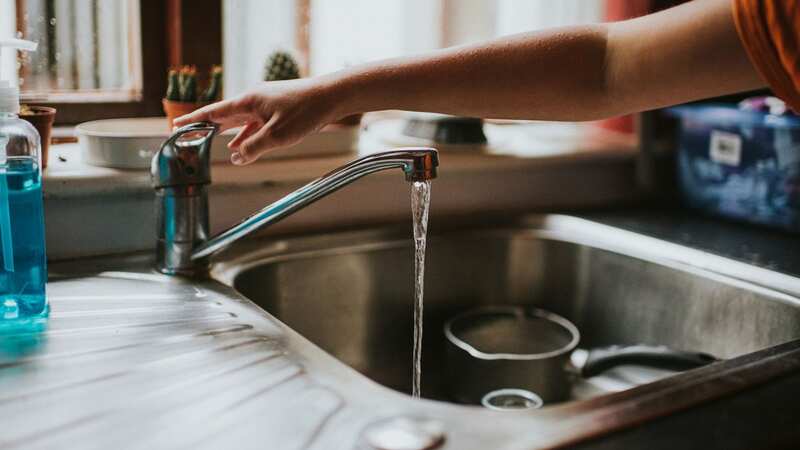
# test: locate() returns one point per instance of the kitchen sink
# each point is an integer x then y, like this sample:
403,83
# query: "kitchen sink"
350,293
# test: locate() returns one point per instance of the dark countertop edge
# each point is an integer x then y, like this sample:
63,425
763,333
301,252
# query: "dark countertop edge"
760,246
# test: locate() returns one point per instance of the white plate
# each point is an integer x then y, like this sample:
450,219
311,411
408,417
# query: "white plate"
131,143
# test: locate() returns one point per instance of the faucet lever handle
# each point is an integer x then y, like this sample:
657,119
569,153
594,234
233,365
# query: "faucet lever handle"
185,157
204,130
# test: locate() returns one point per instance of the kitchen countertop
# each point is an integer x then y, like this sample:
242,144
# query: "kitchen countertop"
130,358
134,359
760,246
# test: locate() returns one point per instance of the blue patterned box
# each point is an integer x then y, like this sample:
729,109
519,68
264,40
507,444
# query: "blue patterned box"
740,164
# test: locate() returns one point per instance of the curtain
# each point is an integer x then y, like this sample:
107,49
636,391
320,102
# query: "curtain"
516,16
83,45
253,29
8,30
348,32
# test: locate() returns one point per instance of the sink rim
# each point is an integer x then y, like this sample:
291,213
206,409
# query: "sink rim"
557,227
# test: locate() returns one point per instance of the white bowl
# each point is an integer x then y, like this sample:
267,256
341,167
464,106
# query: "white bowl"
131,143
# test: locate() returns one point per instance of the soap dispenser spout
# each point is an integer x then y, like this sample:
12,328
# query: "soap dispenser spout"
9,92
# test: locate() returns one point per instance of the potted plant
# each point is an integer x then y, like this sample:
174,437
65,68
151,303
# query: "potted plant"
282,66
182,97
42,118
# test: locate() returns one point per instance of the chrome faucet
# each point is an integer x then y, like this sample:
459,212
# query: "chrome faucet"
181,170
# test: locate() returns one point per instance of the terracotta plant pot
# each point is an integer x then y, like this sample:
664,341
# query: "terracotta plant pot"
175,109
42,118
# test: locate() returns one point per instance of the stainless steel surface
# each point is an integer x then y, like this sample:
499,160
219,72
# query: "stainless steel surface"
508,347
138,360
417,164
351,294
403,433
511,400
183,158
131,359
181,224
181,169
180,172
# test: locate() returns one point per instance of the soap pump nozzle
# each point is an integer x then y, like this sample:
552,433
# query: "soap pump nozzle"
9,92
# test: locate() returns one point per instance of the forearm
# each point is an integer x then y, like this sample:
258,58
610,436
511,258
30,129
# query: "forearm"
554,74
573,73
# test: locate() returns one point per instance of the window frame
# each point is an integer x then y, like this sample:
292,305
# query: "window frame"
161,46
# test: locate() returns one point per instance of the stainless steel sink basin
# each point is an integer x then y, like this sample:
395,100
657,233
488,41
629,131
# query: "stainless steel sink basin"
350,293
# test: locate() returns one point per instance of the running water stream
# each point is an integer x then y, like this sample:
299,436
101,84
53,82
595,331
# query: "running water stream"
420,202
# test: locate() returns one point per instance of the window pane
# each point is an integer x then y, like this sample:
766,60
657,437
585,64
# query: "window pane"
85,46
8,19
516,16
252,30
347,32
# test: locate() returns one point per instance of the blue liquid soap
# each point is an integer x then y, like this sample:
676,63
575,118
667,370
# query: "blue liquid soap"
23,265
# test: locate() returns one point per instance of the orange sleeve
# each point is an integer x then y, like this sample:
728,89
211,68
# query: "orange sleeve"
770,32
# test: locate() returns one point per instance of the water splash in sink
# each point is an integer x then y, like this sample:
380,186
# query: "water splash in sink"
420,203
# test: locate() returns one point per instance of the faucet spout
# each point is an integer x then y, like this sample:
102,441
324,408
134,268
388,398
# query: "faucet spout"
423,166
181,170
418,164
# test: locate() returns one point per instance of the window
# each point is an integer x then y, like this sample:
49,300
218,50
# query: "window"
252,29
95,59
86,48
351,32
328,35
110,58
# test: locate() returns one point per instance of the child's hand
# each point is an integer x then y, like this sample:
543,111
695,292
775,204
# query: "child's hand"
275,114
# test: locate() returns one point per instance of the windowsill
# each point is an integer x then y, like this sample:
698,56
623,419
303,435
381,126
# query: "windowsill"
68,176
85,96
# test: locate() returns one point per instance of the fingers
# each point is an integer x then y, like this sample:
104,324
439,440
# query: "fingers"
227,113
244,133
256,144
249,150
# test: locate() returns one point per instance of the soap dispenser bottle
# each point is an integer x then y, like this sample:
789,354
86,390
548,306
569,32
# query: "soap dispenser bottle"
23,264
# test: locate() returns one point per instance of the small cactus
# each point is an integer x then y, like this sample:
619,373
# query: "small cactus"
182,85
281,66
188,84
173,91
214,90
